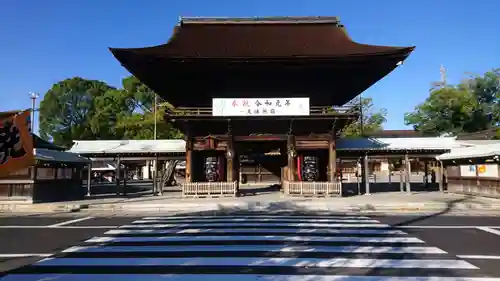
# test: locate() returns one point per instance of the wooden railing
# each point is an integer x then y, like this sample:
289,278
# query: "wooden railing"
314,111
324,189
215,189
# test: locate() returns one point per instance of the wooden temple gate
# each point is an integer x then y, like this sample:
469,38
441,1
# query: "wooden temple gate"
225,150
217,61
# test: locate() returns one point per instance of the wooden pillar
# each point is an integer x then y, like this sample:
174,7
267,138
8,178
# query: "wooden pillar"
359,174
125,176
291,157
189,158
117,175
441,176
367,181
426,168
230,159
402,176
340,170
89,178
236,165
153,176
332,158
159,186
407,173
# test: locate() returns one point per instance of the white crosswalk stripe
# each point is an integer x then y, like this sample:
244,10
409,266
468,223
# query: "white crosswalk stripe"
252,248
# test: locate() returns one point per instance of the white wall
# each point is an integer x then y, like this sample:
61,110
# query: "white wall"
483,170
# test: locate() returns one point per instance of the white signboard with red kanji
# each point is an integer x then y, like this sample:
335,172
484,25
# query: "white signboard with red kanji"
261,107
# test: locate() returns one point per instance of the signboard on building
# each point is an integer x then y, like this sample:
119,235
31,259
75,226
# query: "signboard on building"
482,170
261,107
16,143
468,170
487,170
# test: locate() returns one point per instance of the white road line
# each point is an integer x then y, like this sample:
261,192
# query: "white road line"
257,220
24,255
60,227
255,224
258,216
354,225
229,277
70,221
480,257
262,238
257,230
443,226
258,248
490,230
258,262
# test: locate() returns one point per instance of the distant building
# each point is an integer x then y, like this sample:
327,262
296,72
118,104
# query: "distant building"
488,134
400,134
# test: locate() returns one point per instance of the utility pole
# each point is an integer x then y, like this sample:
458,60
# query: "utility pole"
154,112
155,162
33,97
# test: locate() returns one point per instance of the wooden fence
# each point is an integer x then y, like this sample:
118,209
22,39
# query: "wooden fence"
475,186
300,188
209,189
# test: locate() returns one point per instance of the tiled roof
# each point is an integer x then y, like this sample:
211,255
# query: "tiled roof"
421,143
128,146
458,149
398,134
476,151
58,156
397,144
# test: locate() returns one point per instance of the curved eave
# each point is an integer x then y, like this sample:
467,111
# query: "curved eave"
258,40
163,74
307,47
149,53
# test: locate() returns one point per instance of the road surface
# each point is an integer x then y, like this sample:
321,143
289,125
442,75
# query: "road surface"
248,246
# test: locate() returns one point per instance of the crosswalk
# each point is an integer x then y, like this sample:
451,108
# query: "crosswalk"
252,247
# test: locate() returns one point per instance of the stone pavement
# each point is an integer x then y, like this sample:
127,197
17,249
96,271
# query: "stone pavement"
394,202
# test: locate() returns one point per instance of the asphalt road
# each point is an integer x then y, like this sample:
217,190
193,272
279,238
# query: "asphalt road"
27,239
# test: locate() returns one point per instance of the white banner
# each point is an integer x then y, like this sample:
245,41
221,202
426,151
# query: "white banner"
261,107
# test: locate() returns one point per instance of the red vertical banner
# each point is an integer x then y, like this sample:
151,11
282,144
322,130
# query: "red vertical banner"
16,143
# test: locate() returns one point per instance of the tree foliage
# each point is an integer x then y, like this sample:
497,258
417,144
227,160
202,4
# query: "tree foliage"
373,120
66,109
471,106
80,109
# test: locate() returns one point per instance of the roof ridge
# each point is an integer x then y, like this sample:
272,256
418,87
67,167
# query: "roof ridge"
260,20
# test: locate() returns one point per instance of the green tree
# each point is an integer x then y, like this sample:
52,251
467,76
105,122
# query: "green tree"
67,108
486,89
111,109
139,123
373,120
80,109
141,126
448,110
470,106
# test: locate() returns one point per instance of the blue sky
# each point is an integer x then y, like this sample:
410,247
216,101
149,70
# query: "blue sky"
43,42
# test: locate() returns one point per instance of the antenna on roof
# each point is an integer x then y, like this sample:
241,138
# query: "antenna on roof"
442,82
442,70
